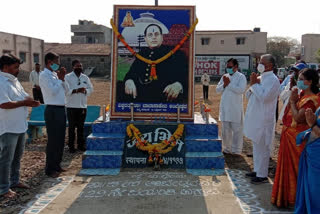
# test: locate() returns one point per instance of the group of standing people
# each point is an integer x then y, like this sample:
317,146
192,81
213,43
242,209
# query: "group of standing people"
65,97
300,96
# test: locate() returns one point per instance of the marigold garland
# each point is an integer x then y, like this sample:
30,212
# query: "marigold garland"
155,151
153,63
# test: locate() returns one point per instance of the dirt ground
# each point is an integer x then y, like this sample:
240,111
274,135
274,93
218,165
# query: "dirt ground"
32,165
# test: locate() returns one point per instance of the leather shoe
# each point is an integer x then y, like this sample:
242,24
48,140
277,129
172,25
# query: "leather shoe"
62,170
72,150
258,180
82,148
53,174
251,175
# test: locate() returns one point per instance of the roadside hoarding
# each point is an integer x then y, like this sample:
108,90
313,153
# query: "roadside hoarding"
215,65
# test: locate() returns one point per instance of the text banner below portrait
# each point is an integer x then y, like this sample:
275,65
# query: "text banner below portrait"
152,61
152,107
154,134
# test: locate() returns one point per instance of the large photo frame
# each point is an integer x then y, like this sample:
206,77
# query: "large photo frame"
156,90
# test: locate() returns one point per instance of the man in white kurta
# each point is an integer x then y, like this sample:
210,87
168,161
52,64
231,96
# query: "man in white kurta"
232,86
260,119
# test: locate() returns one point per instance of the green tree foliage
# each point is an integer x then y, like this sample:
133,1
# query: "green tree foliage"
280,47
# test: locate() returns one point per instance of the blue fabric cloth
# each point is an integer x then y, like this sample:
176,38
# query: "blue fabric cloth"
308,187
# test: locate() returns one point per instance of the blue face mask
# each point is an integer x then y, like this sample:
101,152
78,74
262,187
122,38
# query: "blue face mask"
230,71
54,67
301,85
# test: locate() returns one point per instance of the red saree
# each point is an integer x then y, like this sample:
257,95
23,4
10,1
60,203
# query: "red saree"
285,182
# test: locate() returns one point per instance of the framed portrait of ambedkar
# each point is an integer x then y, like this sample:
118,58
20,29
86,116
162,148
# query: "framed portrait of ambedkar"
153,62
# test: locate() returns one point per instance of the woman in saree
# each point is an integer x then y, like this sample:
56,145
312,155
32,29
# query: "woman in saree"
294,122
308,187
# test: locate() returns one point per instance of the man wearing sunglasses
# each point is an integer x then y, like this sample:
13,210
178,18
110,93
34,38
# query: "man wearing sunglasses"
79,88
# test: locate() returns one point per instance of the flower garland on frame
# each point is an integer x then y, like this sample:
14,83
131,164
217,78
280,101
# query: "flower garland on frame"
153,63
155,151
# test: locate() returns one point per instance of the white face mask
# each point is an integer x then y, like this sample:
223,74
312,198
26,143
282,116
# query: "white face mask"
261,68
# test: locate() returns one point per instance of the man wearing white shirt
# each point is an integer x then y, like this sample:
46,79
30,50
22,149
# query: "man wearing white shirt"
79,88
13,124
53,90
232,86
205,79
34,79
259,122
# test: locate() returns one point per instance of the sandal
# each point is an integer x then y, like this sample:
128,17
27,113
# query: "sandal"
9,194
21,186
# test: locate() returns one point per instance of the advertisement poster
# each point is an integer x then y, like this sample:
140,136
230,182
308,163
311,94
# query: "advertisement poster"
215,65
156,90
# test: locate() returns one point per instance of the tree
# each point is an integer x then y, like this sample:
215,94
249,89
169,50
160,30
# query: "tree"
280,47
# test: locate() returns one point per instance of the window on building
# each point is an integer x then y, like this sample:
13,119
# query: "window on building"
222,42
90,40
101,59
22,56
205,41
36,58
6,52
241,40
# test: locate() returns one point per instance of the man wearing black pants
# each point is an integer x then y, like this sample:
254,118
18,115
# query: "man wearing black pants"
34,79
79,88
205,79
53,89
76,118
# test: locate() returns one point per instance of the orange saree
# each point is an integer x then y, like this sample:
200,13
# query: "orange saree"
285,182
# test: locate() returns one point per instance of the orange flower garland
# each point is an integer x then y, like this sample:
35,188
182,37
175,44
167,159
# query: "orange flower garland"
108,108
153,74
155,151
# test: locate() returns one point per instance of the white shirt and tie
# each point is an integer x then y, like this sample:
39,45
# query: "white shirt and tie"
77,100
12,120
53,89
231,112
260,119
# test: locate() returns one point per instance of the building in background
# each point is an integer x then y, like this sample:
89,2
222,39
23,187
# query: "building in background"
87,32
29,50
310,44
214,48
95,58
90,44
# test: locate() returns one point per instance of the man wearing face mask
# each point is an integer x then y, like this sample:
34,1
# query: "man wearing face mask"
79,88
232,86
53,88
13,124
172,74
260,119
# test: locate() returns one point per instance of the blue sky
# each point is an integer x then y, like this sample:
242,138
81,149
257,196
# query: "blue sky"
51,20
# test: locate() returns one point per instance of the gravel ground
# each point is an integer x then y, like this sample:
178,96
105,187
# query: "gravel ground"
33,162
